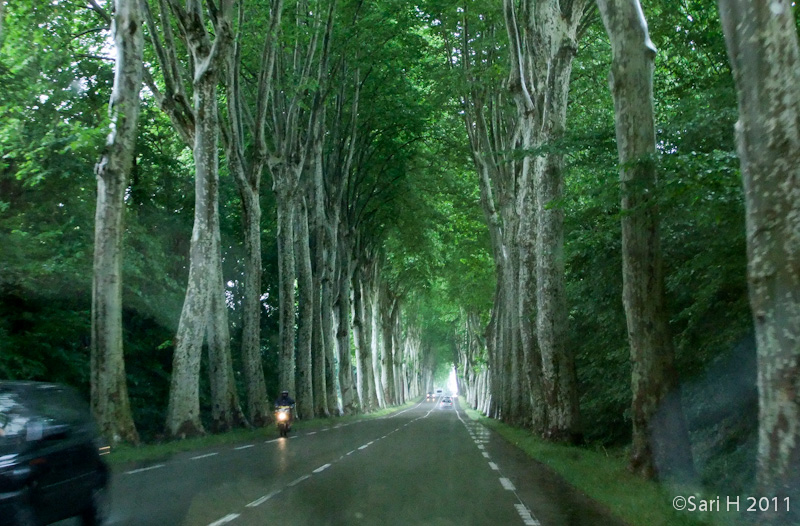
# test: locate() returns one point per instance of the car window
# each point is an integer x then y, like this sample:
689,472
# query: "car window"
14,418
13,415
60,405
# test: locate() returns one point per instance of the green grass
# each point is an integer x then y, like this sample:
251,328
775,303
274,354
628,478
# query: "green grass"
125,454
603,476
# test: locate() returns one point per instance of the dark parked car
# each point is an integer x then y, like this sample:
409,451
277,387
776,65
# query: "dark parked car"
50,457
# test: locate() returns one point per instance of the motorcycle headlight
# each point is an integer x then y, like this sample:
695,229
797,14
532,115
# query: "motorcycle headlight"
281,416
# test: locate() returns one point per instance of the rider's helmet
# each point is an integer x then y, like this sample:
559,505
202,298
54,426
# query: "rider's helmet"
284,393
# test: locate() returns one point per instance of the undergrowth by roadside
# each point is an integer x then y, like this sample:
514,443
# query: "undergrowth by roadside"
127,454
603,476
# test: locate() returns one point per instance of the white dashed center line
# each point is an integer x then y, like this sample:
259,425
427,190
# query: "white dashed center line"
494,466
206,456
140,470
262,500
243,447
321,468
225,519
298,481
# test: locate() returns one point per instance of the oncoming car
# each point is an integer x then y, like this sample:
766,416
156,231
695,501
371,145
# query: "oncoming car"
430,398
50,457
446,403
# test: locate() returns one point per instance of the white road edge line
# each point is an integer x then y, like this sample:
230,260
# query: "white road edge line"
205,456
311,433
321,468
507,484
485,454
140,470
225,519
244,447
271,441
494,466
525,515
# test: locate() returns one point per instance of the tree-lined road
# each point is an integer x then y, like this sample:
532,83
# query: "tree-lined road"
423,465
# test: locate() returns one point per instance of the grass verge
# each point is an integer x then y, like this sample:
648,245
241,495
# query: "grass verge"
603,477
125,454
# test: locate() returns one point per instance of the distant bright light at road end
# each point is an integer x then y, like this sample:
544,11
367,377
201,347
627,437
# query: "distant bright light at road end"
452,385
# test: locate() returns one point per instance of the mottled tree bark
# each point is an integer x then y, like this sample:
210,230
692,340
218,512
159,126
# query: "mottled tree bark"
362,343
660,439
372,305
204,310
258,407
226,412
305,322
762,44
109,392
318,345
542,44
286,287
350,402
386,310
183,410
328,326
247,167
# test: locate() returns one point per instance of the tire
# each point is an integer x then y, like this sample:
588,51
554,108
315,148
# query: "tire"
96,513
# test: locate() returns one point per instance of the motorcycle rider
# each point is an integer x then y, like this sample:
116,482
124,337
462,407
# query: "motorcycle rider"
284,424
284,400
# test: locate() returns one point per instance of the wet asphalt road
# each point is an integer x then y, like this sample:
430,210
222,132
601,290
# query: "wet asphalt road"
426,465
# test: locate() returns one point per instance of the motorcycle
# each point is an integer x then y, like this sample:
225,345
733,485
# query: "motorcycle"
283,418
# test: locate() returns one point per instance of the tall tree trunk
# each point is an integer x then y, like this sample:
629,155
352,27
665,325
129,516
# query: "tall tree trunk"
286,281
372,304
387,360
369,341
247,176
318,248
109,392
350,403
542,44
183,410
305,396
660,439
328,326
397,354
762,44
363,351
258,408
226,412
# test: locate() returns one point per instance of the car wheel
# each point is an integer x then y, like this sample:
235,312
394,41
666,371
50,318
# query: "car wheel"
96,512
